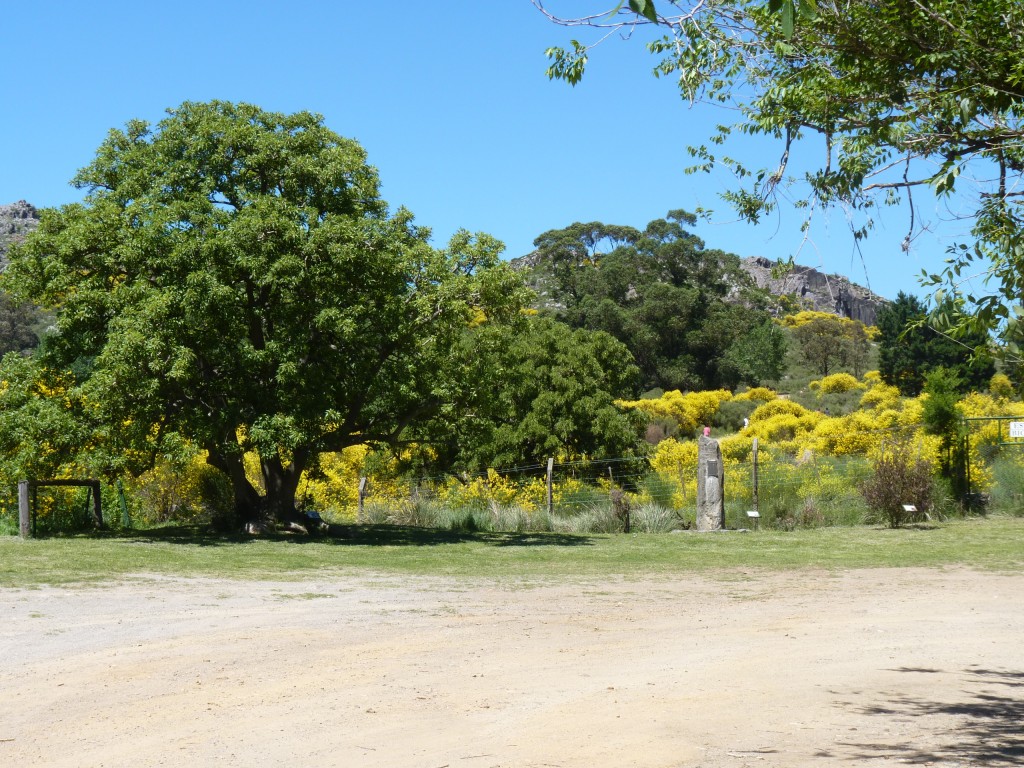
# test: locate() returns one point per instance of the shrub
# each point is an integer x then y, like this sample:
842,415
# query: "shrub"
730,415
759,394
837,382
1000,386
899,479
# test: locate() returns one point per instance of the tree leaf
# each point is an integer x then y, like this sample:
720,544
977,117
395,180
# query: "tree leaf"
644,8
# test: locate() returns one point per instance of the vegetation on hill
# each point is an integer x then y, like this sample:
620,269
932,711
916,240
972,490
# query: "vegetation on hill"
690,316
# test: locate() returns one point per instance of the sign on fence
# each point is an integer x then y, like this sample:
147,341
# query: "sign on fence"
1017,429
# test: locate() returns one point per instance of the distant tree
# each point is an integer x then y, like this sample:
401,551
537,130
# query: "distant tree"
823,343
756,356
659,291
903,348
909,348
233,279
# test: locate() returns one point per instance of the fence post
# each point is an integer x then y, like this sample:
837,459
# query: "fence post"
754,452
24,515
97,503
126,520
551,504
362,496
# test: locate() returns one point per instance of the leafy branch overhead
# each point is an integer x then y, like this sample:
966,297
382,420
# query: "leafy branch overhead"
901,97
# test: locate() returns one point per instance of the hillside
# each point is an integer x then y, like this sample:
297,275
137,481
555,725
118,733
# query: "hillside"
816,290
805,287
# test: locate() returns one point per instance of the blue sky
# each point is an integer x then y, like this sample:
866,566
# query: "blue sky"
450,101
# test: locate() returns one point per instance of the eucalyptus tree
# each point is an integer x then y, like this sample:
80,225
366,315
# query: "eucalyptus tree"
676,305
233,279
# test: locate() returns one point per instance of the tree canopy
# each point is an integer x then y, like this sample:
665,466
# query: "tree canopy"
661,293
233,279
548,390
909,349
900,96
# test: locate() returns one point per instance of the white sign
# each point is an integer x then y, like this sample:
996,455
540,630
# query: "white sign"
1017,429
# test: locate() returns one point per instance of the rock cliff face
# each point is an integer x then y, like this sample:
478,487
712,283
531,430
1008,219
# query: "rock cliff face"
16,221
812,289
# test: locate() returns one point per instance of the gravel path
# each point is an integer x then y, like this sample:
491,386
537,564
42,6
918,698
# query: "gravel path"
872,667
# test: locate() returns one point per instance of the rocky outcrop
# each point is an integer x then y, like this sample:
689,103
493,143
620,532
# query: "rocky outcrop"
808,288
16,221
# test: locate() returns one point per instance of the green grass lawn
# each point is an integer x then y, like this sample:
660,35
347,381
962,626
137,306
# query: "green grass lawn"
989,543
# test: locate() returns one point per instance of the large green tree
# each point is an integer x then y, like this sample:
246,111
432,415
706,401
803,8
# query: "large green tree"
551,393
895,98
233,279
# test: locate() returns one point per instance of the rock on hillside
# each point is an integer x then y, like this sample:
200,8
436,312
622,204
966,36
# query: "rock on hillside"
16,221
812,289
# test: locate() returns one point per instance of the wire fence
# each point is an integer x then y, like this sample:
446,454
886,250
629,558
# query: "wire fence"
785,491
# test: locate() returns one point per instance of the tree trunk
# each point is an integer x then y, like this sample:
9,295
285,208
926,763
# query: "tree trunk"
249,507
282,482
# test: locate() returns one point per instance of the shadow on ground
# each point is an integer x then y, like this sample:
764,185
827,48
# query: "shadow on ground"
352,535
986,731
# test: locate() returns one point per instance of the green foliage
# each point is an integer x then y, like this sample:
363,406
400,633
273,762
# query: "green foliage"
910,348
756,356
546,390
232,280
662,294
18,324
900,96
941,417
1008,485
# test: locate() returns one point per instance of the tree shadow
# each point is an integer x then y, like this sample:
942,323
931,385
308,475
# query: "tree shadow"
987,731
348,535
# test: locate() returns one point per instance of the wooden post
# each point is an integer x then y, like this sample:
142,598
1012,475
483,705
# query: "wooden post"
754,454
362,496
551,503
126,520
97,503
24,514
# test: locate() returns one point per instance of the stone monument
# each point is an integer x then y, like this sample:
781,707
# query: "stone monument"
710,485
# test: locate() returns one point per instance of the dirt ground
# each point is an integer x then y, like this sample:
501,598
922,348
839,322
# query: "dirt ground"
874,667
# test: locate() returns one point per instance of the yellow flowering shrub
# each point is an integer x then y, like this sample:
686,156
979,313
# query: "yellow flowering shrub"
335,487
881,396
1000,386
806,316
872,377
482,491
762,394
775,408
837,382
854,433
689,411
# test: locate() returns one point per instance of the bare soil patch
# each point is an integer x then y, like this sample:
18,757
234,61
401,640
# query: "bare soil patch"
867,667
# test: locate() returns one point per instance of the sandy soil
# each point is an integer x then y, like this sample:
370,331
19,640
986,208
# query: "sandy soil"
878,667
